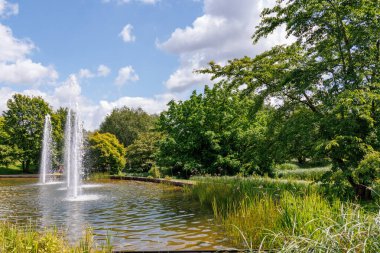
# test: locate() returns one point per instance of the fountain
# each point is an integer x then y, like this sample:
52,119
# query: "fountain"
73,153
46,158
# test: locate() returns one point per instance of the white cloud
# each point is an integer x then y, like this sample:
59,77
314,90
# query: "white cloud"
68,94
103,70
120,2
125,75
8,9
149,1
223,32
16,67
85,73
12,49
126,33
26,72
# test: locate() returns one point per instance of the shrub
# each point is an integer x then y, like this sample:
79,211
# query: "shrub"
154,171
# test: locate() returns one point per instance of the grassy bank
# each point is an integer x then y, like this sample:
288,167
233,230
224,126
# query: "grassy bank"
10,170
18,239
289,216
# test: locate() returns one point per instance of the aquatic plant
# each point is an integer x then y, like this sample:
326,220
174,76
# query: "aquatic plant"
14,238
289,216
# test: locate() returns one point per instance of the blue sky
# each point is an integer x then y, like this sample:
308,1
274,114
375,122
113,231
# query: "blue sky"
110,53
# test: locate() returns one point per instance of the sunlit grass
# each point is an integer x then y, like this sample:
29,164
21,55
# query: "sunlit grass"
25,239
11,169
286,215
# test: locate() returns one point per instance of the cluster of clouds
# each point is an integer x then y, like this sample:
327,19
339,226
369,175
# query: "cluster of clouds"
8,9
221,33
15,65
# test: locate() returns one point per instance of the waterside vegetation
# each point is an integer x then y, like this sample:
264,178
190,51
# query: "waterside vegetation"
288,216
27,239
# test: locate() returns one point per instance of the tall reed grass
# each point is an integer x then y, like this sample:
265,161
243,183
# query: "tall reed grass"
289,216
26,239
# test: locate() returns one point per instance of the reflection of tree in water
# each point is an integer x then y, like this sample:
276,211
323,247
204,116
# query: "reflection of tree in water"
190,225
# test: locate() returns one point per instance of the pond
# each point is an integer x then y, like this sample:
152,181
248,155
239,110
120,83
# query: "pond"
135,215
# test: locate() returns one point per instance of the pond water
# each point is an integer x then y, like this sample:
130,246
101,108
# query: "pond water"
135,215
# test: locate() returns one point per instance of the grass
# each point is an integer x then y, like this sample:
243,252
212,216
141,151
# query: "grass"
287,215
98,176
10,170
14,238
311,174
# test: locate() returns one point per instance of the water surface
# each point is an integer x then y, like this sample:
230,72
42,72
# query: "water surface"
136,215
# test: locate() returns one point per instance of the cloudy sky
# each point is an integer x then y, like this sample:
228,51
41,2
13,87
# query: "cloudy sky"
103,54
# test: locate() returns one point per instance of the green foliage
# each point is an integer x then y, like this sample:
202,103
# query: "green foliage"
58,119
211,133
126,124
106,153
326,82
368,171
154,172
23,122
7,151
141,154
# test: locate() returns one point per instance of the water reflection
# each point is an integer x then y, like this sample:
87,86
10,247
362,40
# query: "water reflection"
137,216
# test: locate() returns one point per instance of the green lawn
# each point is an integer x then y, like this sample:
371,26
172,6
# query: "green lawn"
10,170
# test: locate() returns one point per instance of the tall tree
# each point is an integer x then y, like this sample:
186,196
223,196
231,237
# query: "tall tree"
8,152
205,133
141,154
24,122
126,123
332,70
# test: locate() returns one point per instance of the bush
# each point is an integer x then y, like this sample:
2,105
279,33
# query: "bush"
106,153
154,171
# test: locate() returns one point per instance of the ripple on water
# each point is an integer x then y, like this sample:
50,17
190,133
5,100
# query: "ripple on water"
138,216
82,198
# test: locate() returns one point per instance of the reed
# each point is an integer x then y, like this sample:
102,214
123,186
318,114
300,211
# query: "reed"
288,216
27,239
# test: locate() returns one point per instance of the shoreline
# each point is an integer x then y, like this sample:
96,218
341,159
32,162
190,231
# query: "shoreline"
128,178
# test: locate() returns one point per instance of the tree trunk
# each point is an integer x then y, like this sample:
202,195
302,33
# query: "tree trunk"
363,192
301,160
25,166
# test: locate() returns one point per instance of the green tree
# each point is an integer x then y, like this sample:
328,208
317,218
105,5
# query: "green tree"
204,133
141,154
58,121
24,122
7,151
298,137
106,152
332,70
126,123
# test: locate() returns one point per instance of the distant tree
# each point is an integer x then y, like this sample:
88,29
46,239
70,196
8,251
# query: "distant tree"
126,123
24,122
59,121
106,152
141,154
8,152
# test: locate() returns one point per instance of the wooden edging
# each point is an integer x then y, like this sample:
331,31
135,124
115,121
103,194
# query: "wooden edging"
154,180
